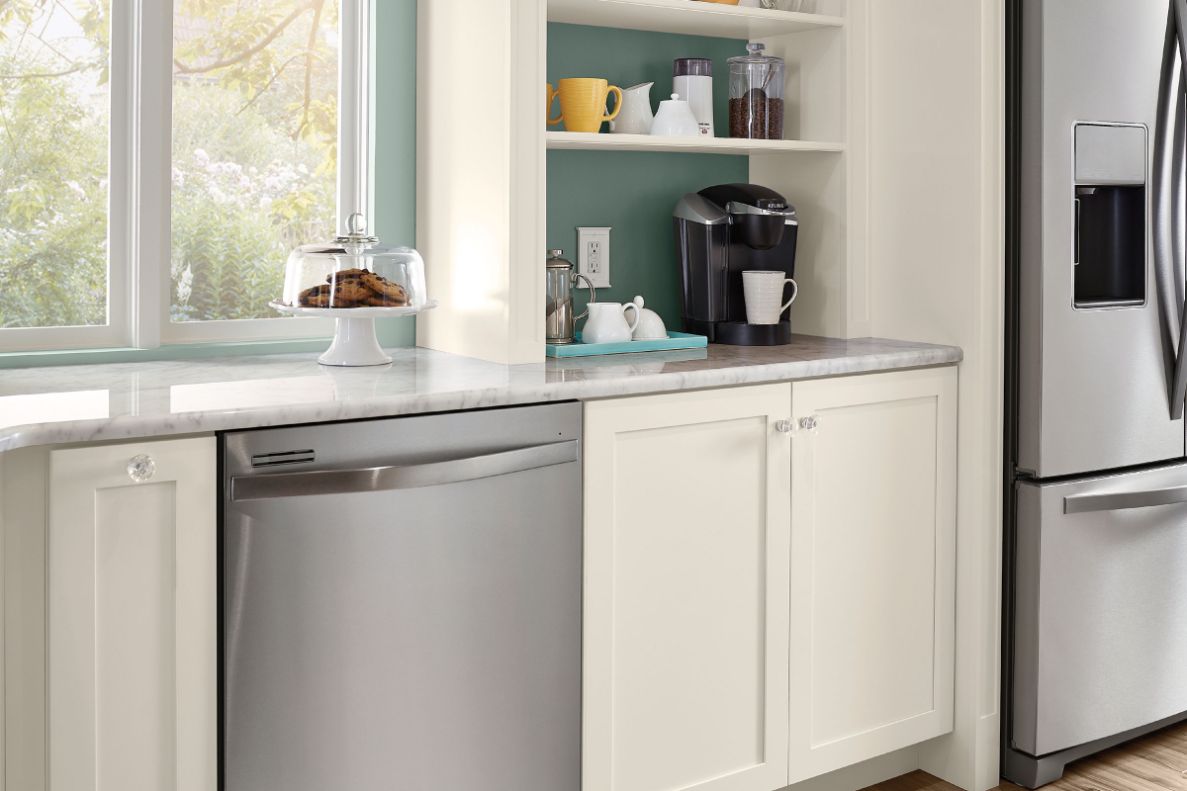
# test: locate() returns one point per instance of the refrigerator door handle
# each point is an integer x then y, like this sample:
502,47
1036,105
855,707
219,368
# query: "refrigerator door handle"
1179,9
1162,219
1117,501
1168,220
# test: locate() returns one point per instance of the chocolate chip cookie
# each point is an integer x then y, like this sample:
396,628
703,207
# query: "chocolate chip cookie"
349,294
354,288
392,293
380,301
316,297
346,274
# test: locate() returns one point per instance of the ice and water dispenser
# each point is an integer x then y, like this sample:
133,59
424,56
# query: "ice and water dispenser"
1109,255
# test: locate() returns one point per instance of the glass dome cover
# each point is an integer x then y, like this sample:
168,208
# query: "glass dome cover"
354,271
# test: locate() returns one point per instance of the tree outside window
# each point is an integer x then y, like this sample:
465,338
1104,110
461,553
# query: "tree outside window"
54,115
255,131
254,149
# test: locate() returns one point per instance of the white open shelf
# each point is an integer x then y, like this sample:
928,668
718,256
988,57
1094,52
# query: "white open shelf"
582,141
688,17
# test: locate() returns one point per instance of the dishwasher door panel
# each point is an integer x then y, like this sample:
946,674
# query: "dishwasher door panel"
1100,618
418,639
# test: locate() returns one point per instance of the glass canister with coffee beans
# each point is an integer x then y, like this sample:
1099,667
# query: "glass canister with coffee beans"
756,95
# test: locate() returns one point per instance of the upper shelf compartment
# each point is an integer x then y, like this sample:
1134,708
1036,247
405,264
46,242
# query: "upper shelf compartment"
577,141
687,17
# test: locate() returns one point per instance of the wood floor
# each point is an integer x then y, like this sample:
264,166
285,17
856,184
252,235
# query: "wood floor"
1157,762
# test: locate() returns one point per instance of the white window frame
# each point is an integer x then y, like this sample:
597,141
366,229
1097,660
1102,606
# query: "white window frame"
140,163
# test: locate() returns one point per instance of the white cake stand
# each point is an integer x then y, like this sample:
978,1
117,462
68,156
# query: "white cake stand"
355,344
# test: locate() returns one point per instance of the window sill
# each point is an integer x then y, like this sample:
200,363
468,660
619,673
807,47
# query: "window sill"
388,336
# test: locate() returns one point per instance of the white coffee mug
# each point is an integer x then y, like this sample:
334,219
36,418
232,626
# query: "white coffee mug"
764,295
607,323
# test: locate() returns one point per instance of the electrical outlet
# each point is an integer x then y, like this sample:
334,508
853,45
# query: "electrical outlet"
593,255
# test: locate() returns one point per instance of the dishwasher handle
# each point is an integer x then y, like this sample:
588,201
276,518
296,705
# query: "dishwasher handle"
1116,501
382,479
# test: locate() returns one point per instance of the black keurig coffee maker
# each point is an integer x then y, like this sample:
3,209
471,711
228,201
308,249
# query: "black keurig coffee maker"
722,232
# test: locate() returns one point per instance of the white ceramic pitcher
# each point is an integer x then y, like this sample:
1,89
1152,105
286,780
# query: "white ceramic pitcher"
636,116
607,323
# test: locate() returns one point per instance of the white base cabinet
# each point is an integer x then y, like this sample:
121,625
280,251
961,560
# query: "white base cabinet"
873,566
131,618
687,517
769,580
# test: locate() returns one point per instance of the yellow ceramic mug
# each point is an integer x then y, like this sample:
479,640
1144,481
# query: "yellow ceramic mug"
583,103
549,97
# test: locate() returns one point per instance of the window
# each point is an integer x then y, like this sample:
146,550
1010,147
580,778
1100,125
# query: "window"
54,119
158,162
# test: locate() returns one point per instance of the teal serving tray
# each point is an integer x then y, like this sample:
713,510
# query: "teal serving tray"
675,340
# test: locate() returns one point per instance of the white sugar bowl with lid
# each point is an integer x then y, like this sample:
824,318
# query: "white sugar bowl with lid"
354,280
675,119
651,326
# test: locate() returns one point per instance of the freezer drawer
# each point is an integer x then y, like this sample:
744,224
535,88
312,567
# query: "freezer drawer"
403,611
1100,622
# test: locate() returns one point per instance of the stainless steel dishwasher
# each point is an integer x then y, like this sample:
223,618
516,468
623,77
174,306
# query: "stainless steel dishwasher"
401,604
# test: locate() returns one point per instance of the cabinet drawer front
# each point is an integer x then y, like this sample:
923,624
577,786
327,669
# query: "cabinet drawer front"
132,647
687,517
873,566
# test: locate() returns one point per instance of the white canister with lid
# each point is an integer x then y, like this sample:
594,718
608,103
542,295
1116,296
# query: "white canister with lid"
692,78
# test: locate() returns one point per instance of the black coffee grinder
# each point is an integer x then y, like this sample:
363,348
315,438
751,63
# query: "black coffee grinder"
722,232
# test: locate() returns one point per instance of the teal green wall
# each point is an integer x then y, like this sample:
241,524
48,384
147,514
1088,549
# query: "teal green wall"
633,192
394,213
394,48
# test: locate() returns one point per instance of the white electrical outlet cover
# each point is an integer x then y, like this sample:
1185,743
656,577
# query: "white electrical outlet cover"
593,255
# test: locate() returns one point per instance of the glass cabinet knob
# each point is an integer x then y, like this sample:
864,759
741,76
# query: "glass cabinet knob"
141,468
784,426
809,423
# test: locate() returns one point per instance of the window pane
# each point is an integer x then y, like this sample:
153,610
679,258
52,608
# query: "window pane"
54,110
255,139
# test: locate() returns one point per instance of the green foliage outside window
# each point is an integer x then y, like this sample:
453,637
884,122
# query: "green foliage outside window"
254,139
53,164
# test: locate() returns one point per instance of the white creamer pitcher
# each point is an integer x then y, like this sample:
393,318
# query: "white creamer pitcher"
607,323
636,116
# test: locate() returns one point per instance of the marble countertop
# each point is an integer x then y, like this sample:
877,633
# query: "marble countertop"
42,406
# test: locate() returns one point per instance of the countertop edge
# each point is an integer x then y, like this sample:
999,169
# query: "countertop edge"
140,427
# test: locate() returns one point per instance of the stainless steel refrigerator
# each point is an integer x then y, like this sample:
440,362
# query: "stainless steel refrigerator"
1095,637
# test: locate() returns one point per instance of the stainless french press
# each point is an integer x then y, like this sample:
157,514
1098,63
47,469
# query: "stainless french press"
560,280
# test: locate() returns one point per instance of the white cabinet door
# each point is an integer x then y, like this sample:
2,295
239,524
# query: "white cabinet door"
132,644
872,566
686,591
